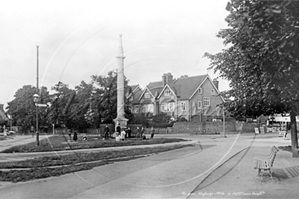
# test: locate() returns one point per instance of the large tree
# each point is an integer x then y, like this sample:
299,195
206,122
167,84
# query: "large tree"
262,59
23,110
104,101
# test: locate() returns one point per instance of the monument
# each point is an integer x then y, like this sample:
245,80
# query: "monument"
120,120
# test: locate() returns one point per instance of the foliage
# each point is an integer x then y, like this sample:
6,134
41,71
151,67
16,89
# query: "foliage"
88,105
104,103
23,110
140,118
161,118
262,60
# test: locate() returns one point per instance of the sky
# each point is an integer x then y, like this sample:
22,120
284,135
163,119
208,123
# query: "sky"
77,39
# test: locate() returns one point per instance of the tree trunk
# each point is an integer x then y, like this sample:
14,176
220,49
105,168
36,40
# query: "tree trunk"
294,136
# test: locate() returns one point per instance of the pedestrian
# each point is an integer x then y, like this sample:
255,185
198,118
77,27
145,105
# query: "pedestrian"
128,132
75,136
138,132
142,132
32,130
152,132
123,133
84,137
106,131
70,134
143,136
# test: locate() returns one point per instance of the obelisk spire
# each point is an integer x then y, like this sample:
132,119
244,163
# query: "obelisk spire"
120,51
120,120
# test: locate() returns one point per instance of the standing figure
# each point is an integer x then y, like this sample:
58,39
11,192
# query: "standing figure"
138,132
128,132
75,136
143,133
70,134
106,131
123,133
118,129
152,132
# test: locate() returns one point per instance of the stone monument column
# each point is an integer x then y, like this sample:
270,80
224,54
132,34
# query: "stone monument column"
120,120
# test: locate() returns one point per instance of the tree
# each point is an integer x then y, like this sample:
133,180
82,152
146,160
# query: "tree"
23,110
262,59
105,98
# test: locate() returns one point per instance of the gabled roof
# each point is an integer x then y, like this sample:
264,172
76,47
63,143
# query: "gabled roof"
186,86
135,87
167,86
155,88
134,90
145,89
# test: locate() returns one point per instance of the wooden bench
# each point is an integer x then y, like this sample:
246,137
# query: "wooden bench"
266,164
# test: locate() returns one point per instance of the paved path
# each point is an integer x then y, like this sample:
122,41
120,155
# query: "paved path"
174,174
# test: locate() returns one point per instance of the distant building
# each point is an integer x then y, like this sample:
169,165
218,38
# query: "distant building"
194,98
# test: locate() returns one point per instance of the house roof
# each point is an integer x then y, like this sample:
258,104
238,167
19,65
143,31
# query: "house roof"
184,87
134,87
155,88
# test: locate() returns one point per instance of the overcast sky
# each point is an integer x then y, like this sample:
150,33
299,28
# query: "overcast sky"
78,39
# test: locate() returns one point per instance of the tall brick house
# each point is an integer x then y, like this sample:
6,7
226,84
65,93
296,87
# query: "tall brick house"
194,98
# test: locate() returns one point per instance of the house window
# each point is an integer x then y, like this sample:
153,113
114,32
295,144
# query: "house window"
200,91
167,92
182,105
206,101
147,95
199,105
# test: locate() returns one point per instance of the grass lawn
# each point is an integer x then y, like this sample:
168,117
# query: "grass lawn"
59,143
43,167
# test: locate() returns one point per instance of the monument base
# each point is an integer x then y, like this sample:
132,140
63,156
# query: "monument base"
122,122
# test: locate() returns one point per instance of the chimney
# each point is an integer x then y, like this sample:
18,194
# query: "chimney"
1,107
169,78
216,83
164,79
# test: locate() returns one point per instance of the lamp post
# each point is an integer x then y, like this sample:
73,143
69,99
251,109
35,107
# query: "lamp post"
36,100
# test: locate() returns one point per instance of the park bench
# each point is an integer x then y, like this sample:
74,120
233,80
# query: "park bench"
266,164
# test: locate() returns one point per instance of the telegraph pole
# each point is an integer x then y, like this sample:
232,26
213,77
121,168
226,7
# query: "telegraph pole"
36,107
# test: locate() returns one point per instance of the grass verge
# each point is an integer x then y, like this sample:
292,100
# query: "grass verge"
60,143
42,167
